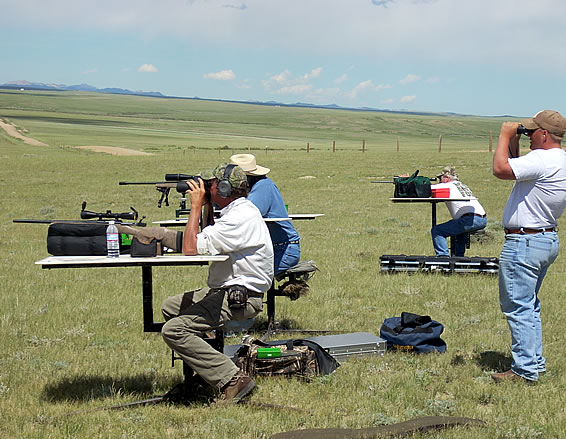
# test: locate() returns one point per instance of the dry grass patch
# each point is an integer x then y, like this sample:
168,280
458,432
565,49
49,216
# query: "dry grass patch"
12,131
114,150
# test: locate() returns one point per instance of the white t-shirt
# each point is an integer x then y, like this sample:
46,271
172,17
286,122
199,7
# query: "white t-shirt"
240,233
538,197
459,208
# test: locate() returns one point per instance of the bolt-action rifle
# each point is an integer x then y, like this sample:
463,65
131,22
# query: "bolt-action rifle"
177,181
95,217
397,176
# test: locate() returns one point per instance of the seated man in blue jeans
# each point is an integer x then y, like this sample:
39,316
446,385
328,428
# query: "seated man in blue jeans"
265,195
467,216
267,198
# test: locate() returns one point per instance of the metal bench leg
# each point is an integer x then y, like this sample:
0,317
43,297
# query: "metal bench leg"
271,305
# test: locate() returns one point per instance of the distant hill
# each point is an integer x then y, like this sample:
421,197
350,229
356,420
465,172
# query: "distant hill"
27,85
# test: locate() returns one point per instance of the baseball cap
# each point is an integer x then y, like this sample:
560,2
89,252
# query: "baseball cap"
449,171
237,177
549,120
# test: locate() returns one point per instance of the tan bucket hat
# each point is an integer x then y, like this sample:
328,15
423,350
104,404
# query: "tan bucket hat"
248,164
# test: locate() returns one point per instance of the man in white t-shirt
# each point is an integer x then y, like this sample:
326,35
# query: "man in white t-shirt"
235,286
467,216
530,218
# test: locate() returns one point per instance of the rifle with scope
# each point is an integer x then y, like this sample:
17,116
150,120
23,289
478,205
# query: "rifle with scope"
177,181
397,176
89,216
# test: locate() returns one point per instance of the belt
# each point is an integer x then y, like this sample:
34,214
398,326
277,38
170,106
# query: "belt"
254,294
474,214
280,244
527,231
249,292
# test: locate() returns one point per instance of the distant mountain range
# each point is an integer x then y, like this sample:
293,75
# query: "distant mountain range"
27,85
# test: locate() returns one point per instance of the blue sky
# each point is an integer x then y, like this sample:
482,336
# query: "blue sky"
483,57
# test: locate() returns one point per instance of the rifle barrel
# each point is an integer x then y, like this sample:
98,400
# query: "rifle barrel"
121,183
39,221
33,221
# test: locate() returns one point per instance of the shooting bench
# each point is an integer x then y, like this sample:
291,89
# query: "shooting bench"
215,338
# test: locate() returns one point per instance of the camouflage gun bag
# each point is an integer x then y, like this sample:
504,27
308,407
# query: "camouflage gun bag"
300,358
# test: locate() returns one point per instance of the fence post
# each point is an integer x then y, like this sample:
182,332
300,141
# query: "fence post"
397,143
334,146
364,145
440,143
308,147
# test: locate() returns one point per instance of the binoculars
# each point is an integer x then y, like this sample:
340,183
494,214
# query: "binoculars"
522,130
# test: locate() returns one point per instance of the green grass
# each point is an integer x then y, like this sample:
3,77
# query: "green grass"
72,339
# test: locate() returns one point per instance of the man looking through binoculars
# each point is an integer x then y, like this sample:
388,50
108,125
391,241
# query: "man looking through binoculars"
235,286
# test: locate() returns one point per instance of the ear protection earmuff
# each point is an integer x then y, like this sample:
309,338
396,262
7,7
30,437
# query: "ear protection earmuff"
224,187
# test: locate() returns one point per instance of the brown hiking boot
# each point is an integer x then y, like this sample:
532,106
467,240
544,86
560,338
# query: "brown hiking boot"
509,375
237,389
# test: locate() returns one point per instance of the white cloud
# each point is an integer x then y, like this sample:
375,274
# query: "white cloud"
223,75
366,87
281,77
294,89
245,84
442,30
315,73
147,68
409,78
408,99
341,79
285,84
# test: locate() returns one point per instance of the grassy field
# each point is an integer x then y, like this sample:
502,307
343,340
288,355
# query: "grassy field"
72,339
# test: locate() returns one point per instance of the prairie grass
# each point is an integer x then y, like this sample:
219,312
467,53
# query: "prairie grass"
72,339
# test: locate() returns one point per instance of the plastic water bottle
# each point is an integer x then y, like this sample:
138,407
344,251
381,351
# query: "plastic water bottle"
112,240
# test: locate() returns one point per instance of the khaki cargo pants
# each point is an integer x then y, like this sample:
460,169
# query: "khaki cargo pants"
190,315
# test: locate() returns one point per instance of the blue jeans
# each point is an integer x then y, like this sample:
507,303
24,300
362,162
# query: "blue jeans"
286,256
523,263
458,229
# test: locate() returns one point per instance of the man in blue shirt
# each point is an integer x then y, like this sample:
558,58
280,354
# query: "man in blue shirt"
267,198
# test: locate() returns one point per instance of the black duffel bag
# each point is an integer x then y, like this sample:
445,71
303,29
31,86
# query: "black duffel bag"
413,333
79,239
413,186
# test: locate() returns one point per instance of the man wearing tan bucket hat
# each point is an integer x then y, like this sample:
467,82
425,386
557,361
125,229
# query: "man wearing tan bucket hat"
267,198
530,218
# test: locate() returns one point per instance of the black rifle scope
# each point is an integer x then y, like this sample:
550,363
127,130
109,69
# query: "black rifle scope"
180,177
